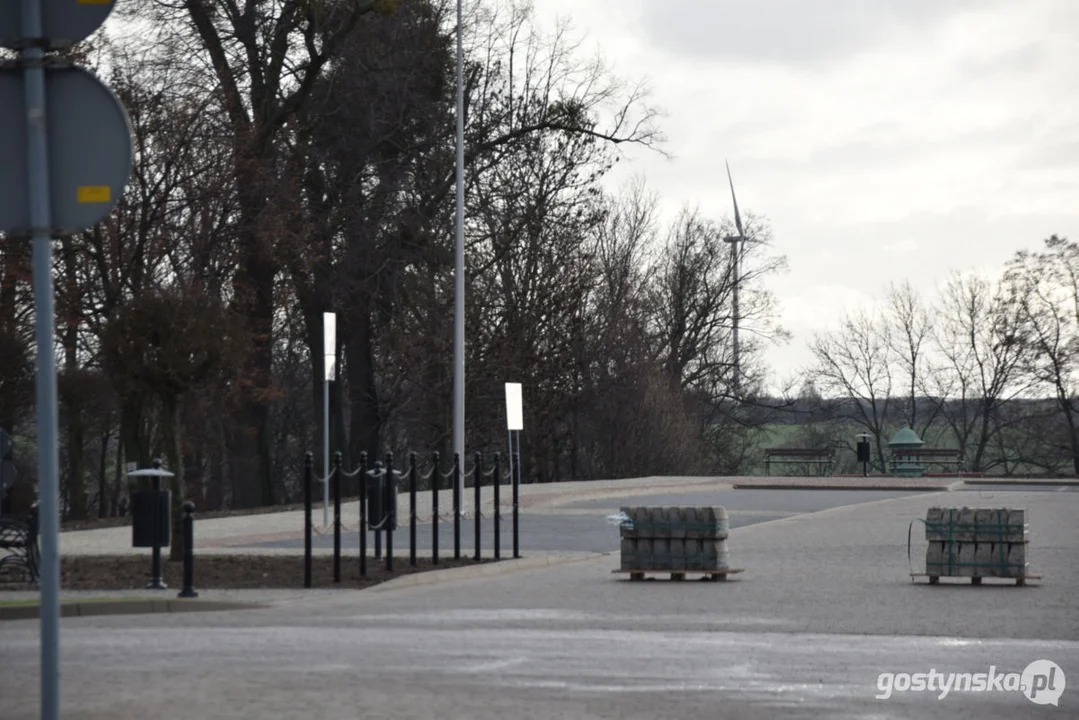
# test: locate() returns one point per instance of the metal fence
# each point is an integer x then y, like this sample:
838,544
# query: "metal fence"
380,485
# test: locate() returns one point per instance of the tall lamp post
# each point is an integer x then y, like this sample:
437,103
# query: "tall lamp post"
459,293
736,242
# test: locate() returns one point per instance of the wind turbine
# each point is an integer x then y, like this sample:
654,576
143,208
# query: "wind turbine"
736,242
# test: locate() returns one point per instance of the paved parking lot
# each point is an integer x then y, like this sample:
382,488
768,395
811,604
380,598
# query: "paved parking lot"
582,526
824,608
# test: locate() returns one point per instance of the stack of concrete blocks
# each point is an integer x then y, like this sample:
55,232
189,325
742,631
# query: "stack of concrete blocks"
675,539
976,542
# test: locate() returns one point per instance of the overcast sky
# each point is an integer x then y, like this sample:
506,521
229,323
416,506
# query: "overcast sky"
884,139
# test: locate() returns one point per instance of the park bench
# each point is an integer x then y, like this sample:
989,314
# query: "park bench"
820,459
944,457
19,553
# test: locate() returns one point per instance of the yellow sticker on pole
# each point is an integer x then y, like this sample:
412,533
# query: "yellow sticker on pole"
94,193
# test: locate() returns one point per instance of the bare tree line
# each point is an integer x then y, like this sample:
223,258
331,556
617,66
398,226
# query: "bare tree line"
987,365
297,158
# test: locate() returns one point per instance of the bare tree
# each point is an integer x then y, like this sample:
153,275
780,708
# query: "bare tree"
977,336
855,362
1045,292
909,337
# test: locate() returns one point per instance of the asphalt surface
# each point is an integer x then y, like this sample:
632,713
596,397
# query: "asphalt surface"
825,606
582,526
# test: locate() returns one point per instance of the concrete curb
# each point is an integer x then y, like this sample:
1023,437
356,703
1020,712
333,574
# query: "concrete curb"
501,567
1062,482
837,486
125,607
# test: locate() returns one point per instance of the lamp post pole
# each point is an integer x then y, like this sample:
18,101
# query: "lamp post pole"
459,294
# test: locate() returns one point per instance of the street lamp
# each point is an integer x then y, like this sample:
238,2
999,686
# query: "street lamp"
459,288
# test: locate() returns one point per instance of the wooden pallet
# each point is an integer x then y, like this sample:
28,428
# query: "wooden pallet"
680,575
1020,580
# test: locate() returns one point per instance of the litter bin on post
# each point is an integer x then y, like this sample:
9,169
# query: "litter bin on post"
151,518
864,452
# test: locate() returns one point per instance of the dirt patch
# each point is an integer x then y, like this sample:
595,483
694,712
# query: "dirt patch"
121,521
231,572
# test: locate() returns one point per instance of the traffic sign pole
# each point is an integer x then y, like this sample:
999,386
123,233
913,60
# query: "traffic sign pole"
37,167
90,174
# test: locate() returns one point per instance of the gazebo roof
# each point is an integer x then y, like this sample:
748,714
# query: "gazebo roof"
906,436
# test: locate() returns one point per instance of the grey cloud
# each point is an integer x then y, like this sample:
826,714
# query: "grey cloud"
786,31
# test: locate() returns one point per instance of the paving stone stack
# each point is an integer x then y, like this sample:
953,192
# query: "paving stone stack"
675,539
976,542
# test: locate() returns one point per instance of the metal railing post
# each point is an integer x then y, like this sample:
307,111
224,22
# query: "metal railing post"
412,509
436,483
389,504
363,514
498,515
336,516
308,462
477,488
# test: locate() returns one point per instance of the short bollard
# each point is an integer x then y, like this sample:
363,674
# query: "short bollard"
188,590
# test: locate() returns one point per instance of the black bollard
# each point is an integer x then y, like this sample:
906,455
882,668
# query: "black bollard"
336,517
498,515
188,590
515,473
308,462
412,509
363,514
389,502
477,485
456,506
436,485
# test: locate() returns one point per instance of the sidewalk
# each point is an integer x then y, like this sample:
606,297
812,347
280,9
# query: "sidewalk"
217,535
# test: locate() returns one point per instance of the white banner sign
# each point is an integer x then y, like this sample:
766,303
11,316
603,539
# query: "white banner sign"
329,344
514,407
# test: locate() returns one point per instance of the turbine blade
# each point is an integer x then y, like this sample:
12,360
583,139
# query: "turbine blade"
737,217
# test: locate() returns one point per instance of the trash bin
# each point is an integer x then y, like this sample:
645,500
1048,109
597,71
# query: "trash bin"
864,452
151,517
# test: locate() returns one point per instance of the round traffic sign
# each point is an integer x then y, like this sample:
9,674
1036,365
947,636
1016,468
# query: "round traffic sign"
89,148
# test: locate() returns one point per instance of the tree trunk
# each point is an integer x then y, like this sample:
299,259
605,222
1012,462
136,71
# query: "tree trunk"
13,267
118,478
363,392
136,449
215,486
102,472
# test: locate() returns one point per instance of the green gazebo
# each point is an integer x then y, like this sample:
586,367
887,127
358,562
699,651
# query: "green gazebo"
906,461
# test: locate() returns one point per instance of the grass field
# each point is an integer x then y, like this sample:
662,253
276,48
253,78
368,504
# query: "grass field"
825,435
